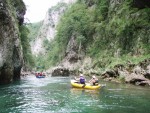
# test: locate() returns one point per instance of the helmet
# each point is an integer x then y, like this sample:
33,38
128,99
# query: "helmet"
93,77
81,75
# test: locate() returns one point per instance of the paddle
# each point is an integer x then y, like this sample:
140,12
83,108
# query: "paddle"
76,81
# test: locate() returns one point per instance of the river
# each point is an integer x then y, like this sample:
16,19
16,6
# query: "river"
55,95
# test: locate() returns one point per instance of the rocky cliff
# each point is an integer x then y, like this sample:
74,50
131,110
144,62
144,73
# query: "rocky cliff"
11,16
48,28
105,32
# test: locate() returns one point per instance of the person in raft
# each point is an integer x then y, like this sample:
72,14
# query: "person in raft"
94,80
81,79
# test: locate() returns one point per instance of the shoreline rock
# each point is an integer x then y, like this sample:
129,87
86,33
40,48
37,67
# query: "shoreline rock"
138,74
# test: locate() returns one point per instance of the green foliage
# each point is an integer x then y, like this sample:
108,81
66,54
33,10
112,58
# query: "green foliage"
27,55
120,29
47,45
81,39
51,58
18,4
104,30
78,22
34,29
55,55
40,63
101,10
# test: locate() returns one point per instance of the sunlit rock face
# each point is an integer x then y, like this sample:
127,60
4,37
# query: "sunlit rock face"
10,48
48,28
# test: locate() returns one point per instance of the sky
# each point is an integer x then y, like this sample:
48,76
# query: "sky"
36,9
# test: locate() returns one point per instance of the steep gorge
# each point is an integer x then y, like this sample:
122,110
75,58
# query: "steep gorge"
47,30
96,35
11,57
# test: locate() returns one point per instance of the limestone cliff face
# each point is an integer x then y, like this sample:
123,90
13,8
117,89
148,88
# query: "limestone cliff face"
48,28
10,49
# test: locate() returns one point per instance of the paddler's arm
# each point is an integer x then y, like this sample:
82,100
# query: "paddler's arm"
76,78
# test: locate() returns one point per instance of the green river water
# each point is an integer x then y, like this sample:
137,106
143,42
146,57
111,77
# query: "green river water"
55,95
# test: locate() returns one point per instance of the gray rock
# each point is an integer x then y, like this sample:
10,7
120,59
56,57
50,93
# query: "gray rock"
60,72
11,58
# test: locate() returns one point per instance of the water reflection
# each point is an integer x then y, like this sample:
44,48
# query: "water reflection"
79,91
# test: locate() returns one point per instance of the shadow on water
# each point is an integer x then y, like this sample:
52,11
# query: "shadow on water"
55,95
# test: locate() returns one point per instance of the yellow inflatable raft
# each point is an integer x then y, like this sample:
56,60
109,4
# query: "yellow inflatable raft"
75,84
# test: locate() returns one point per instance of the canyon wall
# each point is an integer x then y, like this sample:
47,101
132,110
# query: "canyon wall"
11,59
